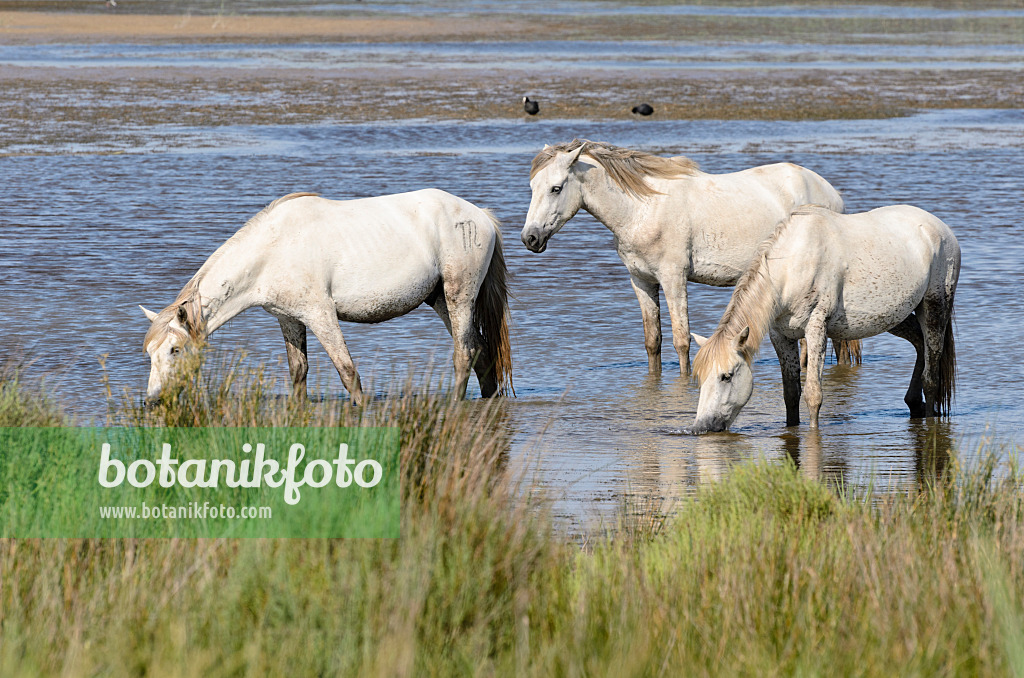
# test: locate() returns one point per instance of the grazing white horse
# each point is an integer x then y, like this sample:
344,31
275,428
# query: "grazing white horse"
309,262
893,269
672,223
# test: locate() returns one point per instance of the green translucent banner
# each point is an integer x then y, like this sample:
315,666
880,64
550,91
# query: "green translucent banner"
199,482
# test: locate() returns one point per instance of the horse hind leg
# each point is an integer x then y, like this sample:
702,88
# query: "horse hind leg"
910,330
488,383
467,342
298,360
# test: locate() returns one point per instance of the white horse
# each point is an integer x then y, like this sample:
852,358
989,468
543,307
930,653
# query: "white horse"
309,262
893,269
672,223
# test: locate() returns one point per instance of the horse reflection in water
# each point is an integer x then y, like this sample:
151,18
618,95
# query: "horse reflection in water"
664,467
930,439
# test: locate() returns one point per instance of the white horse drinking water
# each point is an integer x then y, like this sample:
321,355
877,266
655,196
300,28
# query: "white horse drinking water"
892,269
310,262
672,223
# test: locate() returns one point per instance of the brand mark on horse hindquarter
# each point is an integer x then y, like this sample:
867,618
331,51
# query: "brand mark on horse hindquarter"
470,235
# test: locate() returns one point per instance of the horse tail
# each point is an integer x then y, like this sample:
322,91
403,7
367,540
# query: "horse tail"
492,315
847,351
947,369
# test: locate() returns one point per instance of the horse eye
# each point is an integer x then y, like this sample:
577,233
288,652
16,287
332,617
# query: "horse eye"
726,377
556,189
175,350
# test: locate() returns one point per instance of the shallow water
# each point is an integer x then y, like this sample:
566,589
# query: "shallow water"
89,236
540,7
524,55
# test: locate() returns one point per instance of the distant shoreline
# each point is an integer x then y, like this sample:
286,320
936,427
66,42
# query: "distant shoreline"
76,96
46,27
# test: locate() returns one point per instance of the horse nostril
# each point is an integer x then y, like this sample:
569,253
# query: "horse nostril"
531,240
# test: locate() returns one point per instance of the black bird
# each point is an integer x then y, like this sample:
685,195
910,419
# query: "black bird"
643,109
531,107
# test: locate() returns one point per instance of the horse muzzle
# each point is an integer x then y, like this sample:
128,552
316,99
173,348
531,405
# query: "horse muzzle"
716,425
534,238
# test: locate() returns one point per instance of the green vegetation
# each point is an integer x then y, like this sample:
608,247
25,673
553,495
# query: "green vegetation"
764,573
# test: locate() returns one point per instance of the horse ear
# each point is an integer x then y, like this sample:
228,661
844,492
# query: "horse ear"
149,314
741,338
546,147
699,339
575,155
182,316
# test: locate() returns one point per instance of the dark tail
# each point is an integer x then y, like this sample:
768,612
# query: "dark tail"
847,351
947,369
492,315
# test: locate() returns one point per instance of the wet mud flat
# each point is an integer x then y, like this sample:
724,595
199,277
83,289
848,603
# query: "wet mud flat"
49,110
108,80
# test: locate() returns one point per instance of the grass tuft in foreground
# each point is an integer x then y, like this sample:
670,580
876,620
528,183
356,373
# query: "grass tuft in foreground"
767,572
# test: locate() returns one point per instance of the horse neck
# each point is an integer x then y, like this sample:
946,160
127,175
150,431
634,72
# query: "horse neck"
754,303
611,205
223,288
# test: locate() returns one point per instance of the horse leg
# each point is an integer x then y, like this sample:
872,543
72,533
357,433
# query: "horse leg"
789,352
298,361
440,307
650,309
817,342
459,299
675,297
910,330
488,382
932,316
325,327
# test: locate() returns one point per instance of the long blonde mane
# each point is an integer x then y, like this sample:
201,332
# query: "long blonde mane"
754,304
629,169
188,298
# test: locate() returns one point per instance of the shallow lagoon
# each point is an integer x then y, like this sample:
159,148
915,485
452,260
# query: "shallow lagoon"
88,236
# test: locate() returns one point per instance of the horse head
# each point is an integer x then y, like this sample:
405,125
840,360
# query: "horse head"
173,331
557,196
726,380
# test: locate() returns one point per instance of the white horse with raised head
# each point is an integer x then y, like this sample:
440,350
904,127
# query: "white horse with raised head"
845,276
672,223
310,261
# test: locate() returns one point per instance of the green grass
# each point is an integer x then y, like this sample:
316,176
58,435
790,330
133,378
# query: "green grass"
764,573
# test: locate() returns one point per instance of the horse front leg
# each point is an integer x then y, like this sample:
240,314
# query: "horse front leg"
817,342
324,326
650,309
298,360
675,297
789,354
